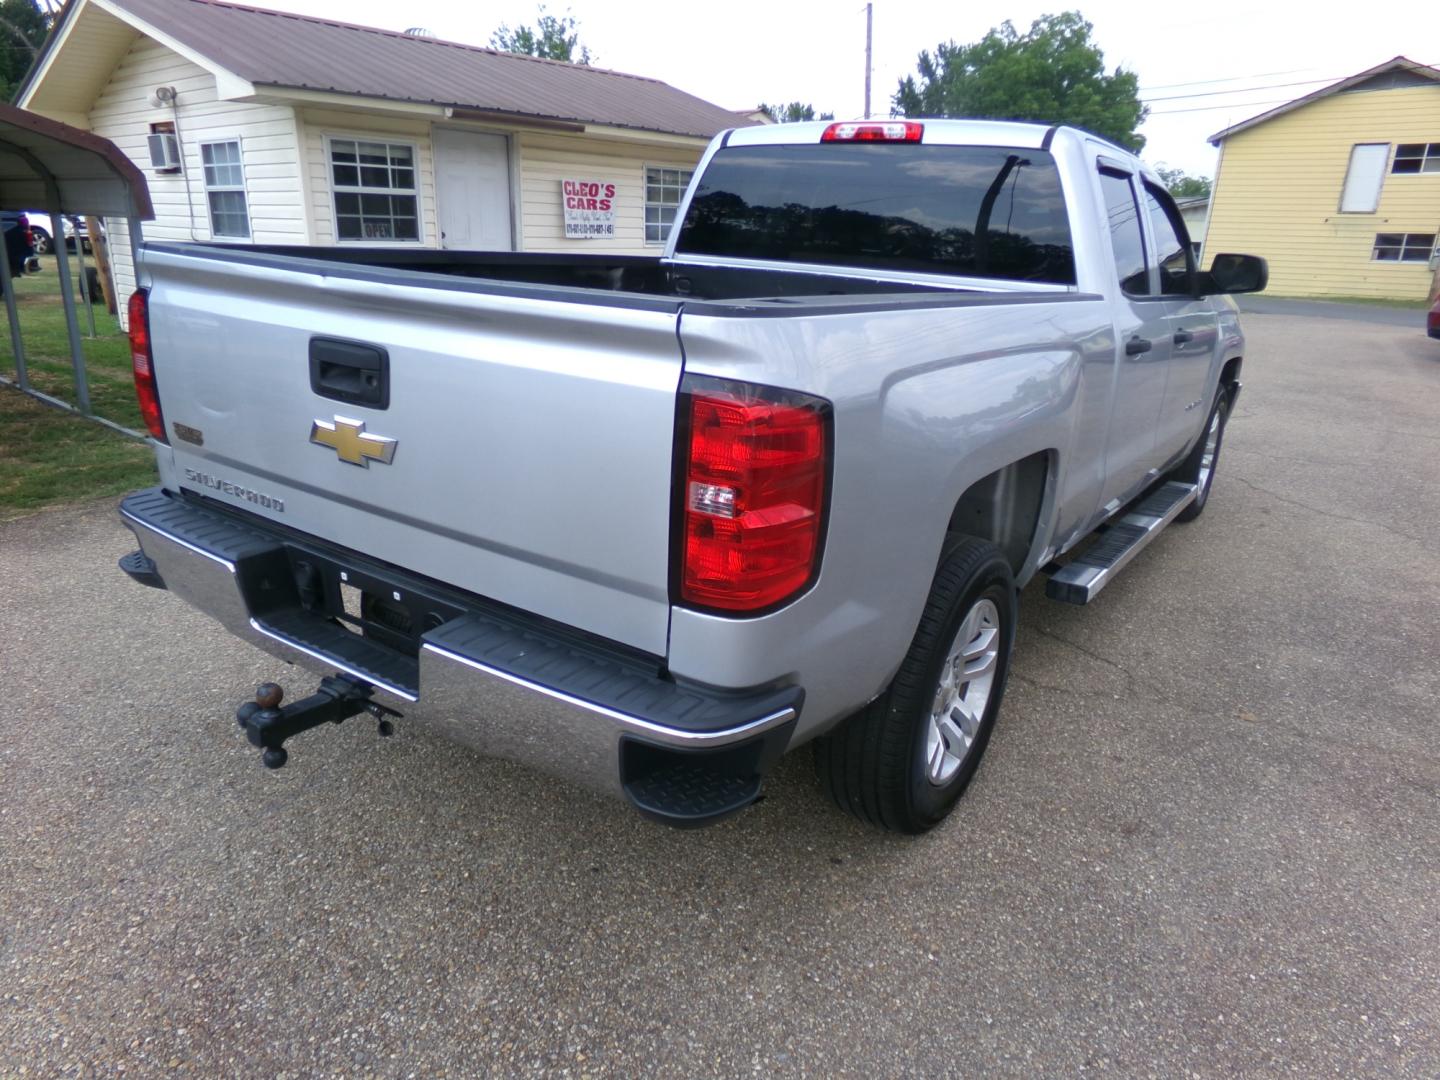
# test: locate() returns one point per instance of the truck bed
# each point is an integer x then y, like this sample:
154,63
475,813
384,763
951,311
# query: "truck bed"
638,276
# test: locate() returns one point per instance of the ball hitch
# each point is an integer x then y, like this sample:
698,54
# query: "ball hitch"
268,724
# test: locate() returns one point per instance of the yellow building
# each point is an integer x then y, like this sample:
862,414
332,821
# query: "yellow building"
1340,189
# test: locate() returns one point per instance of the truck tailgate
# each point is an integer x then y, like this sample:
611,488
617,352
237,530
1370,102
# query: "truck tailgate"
532,432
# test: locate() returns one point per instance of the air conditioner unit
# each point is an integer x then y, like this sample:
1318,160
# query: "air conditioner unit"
164,152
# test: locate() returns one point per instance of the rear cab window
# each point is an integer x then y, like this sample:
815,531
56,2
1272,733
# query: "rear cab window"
972,211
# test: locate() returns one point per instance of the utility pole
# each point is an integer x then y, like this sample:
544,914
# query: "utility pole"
869,19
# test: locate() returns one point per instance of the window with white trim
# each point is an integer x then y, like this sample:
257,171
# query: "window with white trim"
1364,178
225,189
375,190
1417,158
1403,247
663,190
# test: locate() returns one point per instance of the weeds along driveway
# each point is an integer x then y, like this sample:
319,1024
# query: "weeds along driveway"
1203,842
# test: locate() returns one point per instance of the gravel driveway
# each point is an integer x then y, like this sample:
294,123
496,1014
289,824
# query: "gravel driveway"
1206,839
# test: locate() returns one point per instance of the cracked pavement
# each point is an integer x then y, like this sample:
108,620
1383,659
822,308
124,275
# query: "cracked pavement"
1205,842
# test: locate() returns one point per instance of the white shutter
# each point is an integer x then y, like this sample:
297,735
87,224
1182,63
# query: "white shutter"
1364,178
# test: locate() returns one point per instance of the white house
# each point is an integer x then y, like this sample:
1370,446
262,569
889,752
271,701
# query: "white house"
264,127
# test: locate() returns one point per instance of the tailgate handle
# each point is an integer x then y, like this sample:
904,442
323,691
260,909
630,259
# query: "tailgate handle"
350,371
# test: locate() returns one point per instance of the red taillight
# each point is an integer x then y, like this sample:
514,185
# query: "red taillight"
143,364
876,131
755,472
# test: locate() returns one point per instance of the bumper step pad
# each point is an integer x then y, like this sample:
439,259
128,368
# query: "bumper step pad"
141,568
689,793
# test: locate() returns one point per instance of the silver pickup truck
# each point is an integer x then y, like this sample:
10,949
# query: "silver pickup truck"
647,523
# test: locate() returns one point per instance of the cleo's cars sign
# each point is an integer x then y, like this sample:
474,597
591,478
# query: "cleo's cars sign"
589,209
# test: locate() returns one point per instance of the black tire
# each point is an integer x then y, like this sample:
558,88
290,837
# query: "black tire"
42,240
1192,469
874,764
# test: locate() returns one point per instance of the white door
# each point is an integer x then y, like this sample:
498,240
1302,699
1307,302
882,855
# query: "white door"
472,190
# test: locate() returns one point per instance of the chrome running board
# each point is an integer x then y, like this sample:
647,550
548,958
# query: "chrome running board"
1078,581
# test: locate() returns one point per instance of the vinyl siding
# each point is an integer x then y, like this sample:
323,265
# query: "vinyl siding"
1278,195
124,112
546,160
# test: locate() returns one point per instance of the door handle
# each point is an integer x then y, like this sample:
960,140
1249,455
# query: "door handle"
1182,336
1138,345
350,371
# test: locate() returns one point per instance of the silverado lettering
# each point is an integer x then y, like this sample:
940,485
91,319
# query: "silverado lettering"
240,491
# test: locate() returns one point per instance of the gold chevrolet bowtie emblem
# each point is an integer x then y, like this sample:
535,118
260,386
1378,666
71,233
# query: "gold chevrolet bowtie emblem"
352,442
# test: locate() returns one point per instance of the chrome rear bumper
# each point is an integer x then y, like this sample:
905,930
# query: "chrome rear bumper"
483,679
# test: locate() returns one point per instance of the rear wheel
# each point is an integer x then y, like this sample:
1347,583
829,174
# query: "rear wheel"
903,761
1199,467
42,240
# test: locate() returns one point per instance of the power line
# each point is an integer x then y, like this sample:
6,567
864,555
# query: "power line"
1217,108
1243,89
1232,78
1413,66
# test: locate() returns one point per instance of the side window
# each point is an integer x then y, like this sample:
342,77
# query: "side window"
225,189
1125,237
664,188
1172,244
1364,177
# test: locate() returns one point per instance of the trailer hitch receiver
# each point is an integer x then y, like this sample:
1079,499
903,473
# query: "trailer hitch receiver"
267,724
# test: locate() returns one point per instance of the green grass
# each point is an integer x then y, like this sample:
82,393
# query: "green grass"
48,456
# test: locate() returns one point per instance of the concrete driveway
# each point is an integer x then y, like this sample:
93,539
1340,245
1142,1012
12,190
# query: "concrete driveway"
1206,840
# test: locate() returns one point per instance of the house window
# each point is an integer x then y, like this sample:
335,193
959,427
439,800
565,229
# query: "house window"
663,190
1364,178
1403,247
375,192
225,189
1417,158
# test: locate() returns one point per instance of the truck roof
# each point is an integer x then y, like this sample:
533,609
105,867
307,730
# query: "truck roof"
1023,134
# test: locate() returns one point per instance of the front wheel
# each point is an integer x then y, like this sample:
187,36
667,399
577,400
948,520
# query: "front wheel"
42,240
1199,468
903,761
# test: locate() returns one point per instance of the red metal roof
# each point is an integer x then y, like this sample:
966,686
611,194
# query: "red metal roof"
279,49
90,174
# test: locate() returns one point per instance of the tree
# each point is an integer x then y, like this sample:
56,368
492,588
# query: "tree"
1182,186
553,37
1053,73
23,26
794,113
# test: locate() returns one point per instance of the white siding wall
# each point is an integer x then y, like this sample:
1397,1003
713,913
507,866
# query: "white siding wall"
317,125
546,160
287,176
124,112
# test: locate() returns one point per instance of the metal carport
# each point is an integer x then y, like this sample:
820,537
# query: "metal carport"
47,164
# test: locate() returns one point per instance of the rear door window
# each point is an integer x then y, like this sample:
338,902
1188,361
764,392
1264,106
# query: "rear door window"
977,211
1127,241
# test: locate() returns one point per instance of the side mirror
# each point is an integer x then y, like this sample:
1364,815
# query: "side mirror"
1235,274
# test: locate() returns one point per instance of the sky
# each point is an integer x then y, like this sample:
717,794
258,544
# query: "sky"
1202,67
